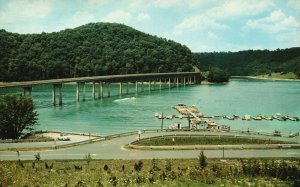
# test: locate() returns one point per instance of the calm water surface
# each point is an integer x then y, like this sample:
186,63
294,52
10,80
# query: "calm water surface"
113,115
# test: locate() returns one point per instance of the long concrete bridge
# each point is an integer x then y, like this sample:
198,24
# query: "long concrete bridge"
170,79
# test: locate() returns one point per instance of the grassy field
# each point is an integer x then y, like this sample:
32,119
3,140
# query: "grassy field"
289,75
204,140
173,172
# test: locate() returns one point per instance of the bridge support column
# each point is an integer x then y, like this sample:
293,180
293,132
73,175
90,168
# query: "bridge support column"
154,84
177,82
53,95
100,90
120,88
54,86
77,92
142,86
159,84
184,81
194,79
93,90
149,85
83,91
127,88
169,83
108,89
136,87
25,89
60,95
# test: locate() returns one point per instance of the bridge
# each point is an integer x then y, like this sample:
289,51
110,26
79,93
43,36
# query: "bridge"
171,79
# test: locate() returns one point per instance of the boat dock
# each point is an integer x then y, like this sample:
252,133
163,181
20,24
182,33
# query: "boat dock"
197,120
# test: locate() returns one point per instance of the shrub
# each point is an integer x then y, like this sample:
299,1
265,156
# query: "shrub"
138,166
202,160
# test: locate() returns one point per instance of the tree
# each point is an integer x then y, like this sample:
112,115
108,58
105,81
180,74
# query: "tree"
202,160
16,114
217,75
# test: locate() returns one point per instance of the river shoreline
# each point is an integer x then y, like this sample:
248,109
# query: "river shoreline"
266,78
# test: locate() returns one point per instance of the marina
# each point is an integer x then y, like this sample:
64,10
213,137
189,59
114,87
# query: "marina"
197,120
234,117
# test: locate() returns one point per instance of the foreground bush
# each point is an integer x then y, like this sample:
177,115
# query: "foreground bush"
155,172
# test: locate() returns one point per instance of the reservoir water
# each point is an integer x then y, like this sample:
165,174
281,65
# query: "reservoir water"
119,114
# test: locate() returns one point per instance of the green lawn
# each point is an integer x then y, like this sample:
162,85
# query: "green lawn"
204,140
289,75
170,172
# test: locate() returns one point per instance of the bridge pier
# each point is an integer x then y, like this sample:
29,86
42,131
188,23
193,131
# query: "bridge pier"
136,87
54,86
169,83
177,82
83,91
127,88
78,91
149,85
159,84
121,88
142,86
184,81
100,90
108,89
93,90
26,89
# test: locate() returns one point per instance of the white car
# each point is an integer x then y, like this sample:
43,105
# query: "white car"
64,137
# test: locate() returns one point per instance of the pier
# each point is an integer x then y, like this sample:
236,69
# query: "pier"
197,120
165,80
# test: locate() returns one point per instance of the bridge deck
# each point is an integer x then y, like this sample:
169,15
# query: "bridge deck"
108,78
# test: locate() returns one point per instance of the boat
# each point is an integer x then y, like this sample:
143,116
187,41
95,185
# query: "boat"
236,116
292,135
277,133
218,116
258,118
247,117
230,118
268,118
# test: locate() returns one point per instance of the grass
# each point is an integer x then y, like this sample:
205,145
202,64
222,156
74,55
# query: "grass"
289,75
173,172
204,140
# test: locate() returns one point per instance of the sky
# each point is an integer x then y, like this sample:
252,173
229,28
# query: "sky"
201,25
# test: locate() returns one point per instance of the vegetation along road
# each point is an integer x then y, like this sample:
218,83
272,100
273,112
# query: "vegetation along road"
114,149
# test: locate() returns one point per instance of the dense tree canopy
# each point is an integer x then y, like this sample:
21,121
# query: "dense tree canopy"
252,62
92,49
217,75
16,114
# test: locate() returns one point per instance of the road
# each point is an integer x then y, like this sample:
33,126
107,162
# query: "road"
107,78
113,149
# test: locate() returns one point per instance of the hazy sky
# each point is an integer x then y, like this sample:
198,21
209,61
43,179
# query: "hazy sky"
202,25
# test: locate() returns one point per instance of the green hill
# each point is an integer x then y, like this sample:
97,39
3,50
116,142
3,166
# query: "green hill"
88,50
252,62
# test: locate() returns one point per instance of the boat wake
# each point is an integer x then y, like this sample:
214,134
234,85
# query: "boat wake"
125,99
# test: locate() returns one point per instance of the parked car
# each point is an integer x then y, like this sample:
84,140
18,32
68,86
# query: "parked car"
64,137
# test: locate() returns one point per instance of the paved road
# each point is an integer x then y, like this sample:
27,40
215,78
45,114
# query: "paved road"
113,149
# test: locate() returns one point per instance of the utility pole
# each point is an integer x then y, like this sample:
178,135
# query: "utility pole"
162,121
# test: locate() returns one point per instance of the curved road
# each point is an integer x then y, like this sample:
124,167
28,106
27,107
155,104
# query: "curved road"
113,149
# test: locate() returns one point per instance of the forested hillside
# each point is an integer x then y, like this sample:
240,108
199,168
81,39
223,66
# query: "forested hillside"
252,62
92,49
